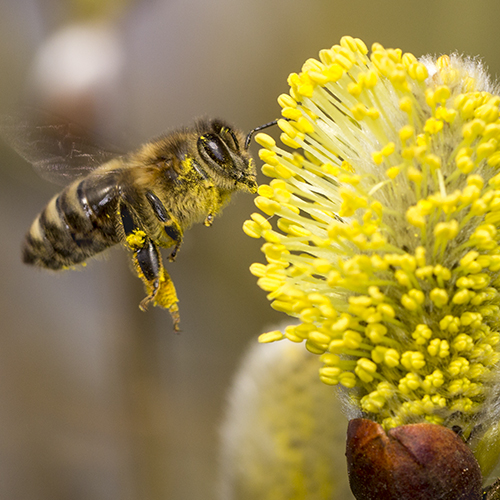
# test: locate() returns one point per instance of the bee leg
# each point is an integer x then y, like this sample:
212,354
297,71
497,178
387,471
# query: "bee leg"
218,201
157,280
209,220
213,207
148,261
174,232
148,265
170,226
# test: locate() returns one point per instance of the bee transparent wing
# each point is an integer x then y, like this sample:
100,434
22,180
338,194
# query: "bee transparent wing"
58,151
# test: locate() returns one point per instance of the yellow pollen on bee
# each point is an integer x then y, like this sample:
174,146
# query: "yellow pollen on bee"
136,239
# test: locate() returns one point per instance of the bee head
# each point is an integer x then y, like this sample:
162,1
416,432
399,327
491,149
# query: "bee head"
223,150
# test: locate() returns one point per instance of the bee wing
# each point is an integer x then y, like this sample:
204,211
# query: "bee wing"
58,151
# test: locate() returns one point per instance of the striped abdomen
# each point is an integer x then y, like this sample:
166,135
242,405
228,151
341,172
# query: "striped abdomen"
76,224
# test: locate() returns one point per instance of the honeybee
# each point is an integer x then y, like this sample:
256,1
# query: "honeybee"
144,200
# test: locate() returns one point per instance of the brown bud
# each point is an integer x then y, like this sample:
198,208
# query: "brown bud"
414,462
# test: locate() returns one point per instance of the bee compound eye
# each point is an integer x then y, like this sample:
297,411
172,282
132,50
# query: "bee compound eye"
229,138
212,146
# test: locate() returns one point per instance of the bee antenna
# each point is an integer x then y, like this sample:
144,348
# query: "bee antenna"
250,134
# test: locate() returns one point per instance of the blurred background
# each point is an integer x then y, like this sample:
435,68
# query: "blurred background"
99,400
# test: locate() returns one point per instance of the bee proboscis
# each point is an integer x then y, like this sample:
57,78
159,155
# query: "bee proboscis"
145,199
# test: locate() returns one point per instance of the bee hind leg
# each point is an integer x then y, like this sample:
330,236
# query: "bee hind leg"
143,305
159,285
148,265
